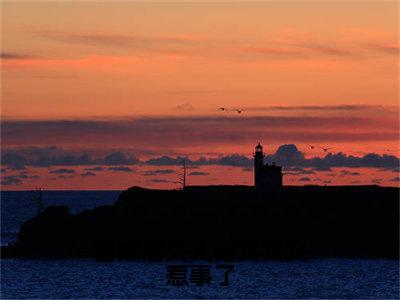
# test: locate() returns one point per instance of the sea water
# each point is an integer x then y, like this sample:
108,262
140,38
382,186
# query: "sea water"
316,278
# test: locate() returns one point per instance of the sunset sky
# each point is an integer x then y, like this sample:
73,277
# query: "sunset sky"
107,95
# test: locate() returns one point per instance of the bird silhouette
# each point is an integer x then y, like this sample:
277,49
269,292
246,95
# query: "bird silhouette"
222,109
239,111
312,146
325,149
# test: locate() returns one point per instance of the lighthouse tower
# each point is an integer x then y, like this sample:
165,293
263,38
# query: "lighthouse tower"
258,164
266,177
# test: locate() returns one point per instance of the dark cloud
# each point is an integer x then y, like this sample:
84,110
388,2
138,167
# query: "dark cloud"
118,158
19,158
341,108
395,179
10,55
198,173
25,175
13,161
120,169
290,157
178,132
167,45
166,161
88,174
298,171
11,180
156,180
158,172
305,179
349,173
287,155
95,169
62,171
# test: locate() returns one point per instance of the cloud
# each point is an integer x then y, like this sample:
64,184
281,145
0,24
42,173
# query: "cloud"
290,157
117,158
340,108
63,171
88,174
349,173
305,179
298,171
10,55
13,161
225,129
326,49
149,44
95,169
120,169
198,173
390,49
395,179
156,180
229,160
299,50
10,180
177,132
25,175
166,161
158,172
19,158
287,155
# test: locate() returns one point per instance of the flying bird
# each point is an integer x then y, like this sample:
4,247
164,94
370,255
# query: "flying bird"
312,146
325,149
222,109
239,111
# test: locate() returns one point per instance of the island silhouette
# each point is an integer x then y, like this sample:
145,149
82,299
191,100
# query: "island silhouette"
230,223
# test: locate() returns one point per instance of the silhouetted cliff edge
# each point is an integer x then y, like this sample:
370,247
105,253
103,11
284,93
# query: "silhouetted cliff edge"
221,222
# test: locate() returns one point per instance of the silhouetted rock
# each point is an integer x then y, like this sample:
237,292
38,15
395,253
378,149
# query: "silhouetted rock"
221,222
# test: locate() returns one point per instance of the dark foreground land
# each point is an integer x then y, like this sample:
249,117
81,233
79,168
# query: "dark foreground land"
221,222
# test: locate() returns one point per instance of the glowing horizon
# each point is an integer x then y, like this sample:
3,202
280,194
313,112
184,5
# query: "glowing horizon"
147,79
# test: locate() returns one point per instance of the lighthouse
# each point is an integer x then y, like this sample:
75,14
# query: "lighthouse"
267,177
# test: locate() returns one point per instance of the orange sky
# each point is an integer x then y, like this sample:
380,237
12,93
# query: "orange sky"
112,61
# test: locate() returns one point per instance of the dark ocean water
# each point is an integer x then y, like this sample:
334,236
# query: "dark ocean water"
317,278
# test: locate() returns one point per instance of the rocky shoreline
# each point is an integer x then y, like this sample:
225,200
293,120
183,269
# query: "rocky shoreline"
220,223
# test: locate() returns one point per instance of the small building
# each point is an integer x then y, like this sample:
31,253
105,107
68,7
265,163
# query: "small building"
266,177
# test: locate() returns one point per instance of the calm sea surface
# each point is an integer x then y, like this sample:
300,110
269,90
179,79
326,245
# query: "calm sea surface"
319,278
